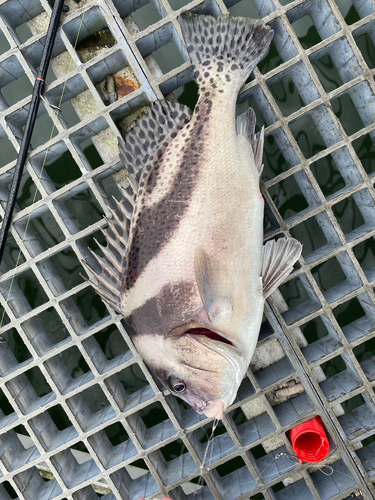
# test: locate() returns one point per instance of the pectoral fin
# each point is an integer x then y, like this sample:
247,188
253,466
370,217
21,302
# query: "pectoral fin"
278,260
214,286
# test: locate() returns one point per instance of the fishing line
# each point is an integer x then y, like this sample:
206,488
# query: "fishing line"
57,109
327,470
209,441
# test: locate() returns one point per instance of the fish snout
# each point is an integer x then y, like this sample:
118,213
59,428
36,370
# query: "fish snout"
215,409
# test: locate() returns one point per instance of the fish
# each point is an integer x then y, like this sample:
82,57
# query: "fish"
185,263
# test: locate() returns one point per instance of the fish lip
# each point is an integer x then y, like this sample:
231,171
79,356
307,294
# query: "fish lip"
184,330
181,329
204,407
216,345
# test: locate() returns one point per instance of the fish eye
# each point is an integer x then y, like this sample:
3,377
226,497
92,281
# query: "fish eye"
179,386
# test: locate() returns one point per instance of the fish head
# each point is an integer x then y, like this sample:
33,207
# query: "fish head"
196,365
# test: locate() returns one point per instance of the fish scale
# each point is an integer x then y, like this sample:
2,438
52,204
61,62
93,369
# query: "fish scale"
195,274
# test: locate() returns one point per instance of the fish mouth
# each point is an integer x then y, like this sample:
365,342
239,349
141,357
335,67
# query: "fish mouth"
198,330
205,332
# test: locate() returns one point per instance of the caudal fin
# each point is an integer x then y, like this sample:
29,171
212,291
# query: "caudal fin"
227,48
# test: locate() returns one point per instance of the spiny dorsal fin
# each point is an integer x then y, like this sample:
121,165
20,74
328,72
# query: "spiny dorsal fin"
110,275
278,260
140,151
214,286
246,127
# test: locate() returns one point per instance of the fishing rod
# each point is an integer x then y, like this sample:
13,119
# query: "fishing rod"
30,122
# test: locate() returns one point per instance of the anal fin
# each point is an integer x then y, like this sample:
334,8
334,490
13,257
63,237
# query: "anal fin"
279,256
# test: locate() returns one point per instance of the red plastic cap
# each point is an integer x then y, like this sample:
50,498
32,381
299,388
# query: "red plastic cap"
310,441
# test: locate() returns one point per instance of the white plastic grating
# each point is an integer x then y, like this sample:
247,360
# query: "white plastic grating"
80,414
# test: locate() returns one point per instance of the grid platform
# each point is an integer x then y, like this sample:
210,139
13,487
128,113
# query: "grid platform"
81,417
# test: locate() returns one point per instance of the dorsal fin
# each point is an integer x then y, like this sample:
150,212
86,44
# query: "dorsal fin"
140,152
246,127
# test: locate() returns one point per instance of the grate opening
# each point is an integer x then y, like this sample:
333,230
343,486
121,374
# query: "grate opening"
112,446
7,491
7,147
348,12
147,15
16,89
366,46
324,65
322,338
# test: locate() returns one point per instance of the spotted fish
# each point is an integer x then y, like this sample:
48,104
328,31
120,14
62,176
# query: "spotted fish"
185,263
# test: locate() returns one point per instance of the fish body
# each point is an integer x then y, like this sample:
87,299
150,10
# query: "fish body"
191,276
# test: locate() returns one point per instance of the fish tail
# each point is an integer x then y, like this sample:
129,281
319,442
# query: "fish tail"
224,49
